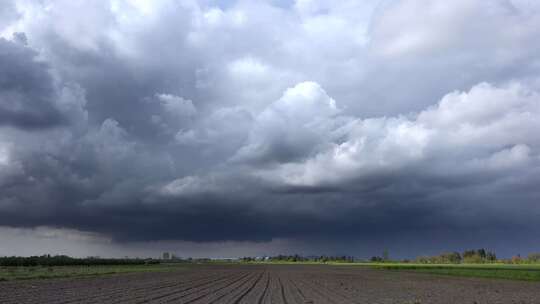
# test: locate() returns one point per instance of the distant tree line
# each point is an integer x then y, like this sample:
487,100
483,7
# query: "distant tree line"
477,256
300,258
533,258
64,260
473,256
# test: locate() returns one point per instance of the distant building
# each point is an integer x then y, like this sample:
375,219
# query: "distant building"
166,256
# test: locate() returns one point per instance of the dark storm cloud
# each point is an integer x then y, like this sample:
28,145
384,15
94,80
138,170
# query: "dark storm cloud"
212,218
27,90
184,121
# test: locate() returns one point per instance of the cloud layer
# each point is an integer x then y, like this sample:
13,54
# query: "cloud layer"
210,122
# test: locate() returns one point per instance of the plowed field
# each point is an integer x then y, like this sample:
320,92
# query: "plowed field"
284,284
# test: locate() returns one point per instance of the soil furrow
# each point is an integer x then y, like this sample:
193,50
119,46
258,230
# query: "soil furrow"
206,281
282,291
141,291
174,296
232,291
294,295
250,288
265,291
212,290
298,290
270,284
319,286
118,295
313,294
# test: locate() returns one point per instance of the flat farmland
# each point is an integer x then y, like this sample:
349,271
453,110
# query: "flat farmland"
284,284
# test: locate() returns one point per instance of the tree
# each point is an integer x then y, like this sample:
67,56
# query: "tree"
534,257
450,257
481,253
491,257
385,256
468,253
376,259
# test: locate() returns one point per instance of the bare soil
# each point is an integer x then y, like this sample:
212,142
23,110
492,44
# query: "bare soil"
264,284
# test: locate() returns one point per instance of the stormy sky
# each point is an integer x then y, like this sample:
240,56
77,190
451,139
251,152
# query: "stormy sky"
231,128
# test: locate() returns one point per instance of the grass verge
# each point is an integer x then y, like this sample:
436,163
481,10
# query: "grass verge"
498,271
9,273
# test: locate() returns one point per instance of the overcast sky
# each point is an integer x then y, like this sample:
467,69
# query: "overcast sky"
231,128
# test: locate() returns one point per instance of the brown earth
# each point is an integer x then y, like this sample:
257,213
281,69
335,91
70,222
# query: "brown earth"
264,284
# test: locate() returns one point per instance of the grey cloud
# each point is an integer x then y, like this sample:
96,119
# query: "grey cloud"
419,52
485,129
291,127
8,14
27,91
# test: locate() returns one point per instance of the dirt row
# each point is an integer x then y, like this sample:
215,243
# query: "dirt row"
265,284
